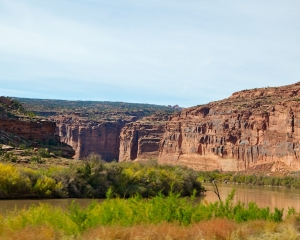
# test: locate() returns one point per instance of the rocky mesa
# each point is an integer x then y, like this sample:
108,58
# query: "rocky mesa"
252,129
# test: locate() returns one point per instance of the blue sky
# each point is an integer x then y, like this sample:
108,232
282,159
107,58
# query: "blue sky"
162,52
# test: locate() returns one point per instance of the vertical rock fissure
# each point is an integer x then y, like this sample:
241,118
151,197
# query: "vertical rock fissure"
134,148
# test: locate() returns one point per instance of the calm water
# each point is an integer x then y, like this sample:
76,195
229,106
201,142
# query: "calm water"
263,196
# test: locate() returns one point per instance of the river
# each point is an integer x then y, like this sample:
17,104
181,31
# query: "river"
264,197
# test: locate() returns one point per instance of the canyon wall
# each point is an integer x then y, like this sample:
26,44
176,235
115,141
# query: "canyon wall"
252,129
122,140
43,131
88,137
35,132
17,128
140,140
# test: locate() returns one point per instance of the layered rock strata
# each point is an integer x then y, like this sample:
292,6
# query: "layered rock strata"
17,128
43,131
88,137
250,129
140,140
121,140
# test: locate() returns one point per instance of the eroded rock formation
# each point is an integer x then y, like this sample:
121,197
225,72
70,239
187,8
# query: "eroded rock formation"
88,137
250,129
118,140
43,131
18,128
140,140
38,132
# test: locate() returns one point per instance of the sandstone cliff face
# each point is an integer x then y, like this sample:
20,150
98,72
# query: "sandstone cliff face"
121,140
43,131
250,129
140,140
37,132
17,128
88,137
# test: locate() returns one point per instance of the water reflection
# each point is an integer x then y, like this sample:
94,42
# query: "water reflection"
264,197
11,205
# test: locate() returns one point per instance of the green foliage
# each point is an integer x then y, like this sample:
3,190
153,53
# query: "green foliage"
36,158
94,178
137,211
30,114
23,146
47,187
12,183
16,105
57,153
260,180
28,152
94,110
9,157
44,153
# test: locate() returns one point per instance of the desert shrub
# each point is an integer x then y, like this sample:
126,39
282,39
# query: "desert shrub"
36,158
93,178
22,182
57,153
12,183
44,153
27,152
23,146
47,187
9,157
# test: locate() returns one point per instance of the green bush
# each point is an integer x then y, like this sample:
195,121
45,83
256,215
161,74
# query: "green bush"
36,158
287,181
92,178
44,153
9,157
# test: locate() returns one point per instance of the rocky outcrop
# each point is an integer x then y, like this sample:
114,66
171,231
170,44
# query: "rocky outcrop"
251,128
17,128
42,131
88,137
140,140
37,133
122,140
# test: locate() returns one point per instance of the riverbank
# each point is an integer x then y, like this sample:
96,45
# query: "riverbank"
289,180
160,217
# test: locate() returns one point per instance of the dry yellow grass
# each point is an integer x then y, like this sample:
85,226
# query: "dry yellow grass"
266,230
31,233
215,229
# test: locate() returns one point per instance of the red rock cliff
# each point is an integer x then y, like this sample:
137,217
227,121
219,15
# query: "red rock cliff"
140,140
43,131
16,127
87,137
250,129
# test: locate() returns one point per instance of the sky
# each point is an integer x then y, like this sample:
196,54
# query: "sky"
162,52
